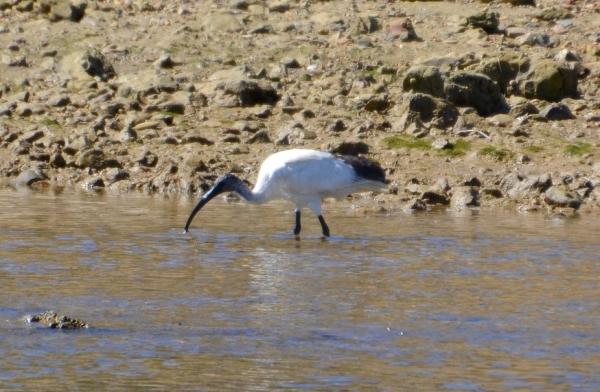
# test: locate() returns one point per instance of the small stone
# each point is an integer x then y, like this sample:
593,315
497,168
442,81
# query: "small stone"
561,196
259,137
464,196
441,143
28,177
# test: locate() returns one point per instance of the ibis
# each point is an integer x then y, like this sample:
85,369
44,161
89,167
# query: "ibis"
304,177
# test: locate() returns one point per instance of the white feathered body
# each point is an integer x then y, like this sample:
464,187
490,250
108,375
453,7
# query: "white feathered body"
306,177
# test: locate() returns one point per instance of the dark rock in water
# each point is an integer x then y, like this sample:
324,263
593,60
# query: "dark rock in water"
416,205
28,177
557,112
465,196
51,319
562,197
435,196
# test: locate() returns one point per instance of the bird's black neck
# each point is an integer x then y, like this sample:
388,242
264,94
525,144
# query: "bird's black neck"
230,183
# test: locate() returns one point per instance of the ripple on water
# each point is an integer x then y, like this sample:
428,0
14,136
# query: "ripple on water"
441,300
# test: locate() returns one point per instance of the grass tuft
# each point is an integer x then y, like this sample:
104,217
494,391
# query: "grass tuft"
578,148
458,148
532,148
494,153
400,142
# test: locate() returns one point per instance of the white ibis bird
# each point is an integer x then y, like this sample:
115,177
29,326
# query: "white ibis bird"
305,177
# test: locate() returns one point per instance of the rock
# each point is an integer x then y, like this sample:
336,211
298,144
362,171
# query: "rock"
554,13
73,10
502,69
424,79
164,61
32,136
441,143
547,80
403,30
535,39
83,67
434,196
422,108
520,107
57,161
237,149
475,90
349,148
51,319
93,182
415,205
460,88
219,23
194,138
488,21
243,93
28,177
94,159
259,137
517,185
513,32
561,196
59,100
279,6
464,196
557,112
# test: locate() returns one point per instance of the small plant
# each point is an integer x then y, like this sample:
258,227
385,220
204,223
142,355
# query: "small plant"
457,148
578,148
172,114
50,123
494,153
533,148
400,142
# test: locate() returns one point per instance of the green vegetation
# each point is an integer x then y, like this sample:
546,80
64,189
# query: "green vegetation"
578,148
493,152
403,141
532,148
173,49
185,125
172,114
458,148
50,123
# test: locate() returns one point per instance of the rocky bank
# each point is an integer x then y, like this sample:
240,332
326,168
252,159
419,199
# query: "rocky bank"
465,104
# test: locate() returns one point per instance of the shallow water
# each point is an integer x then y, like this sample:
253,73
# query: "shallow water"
444,300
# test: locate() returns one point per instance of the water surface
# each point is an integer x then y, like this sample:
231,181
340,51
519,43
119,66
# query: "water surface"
444,300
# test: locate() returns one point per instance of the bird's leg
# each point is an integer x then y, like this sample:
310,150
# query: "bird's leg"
298,226
324,226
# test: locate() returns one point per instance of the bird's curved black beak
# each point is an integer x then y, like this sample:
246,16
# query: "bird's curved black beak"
205,199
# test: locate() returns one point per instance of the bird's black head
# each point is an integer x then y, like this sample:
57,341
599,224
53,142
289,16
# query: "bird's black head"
225,183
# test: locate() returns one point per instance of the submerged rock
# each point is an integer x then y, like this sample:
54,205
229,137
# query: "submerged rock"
51,319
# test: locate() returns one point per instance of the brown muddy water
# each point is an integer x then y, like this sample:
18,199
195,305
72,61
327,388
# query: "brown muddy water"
443,300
